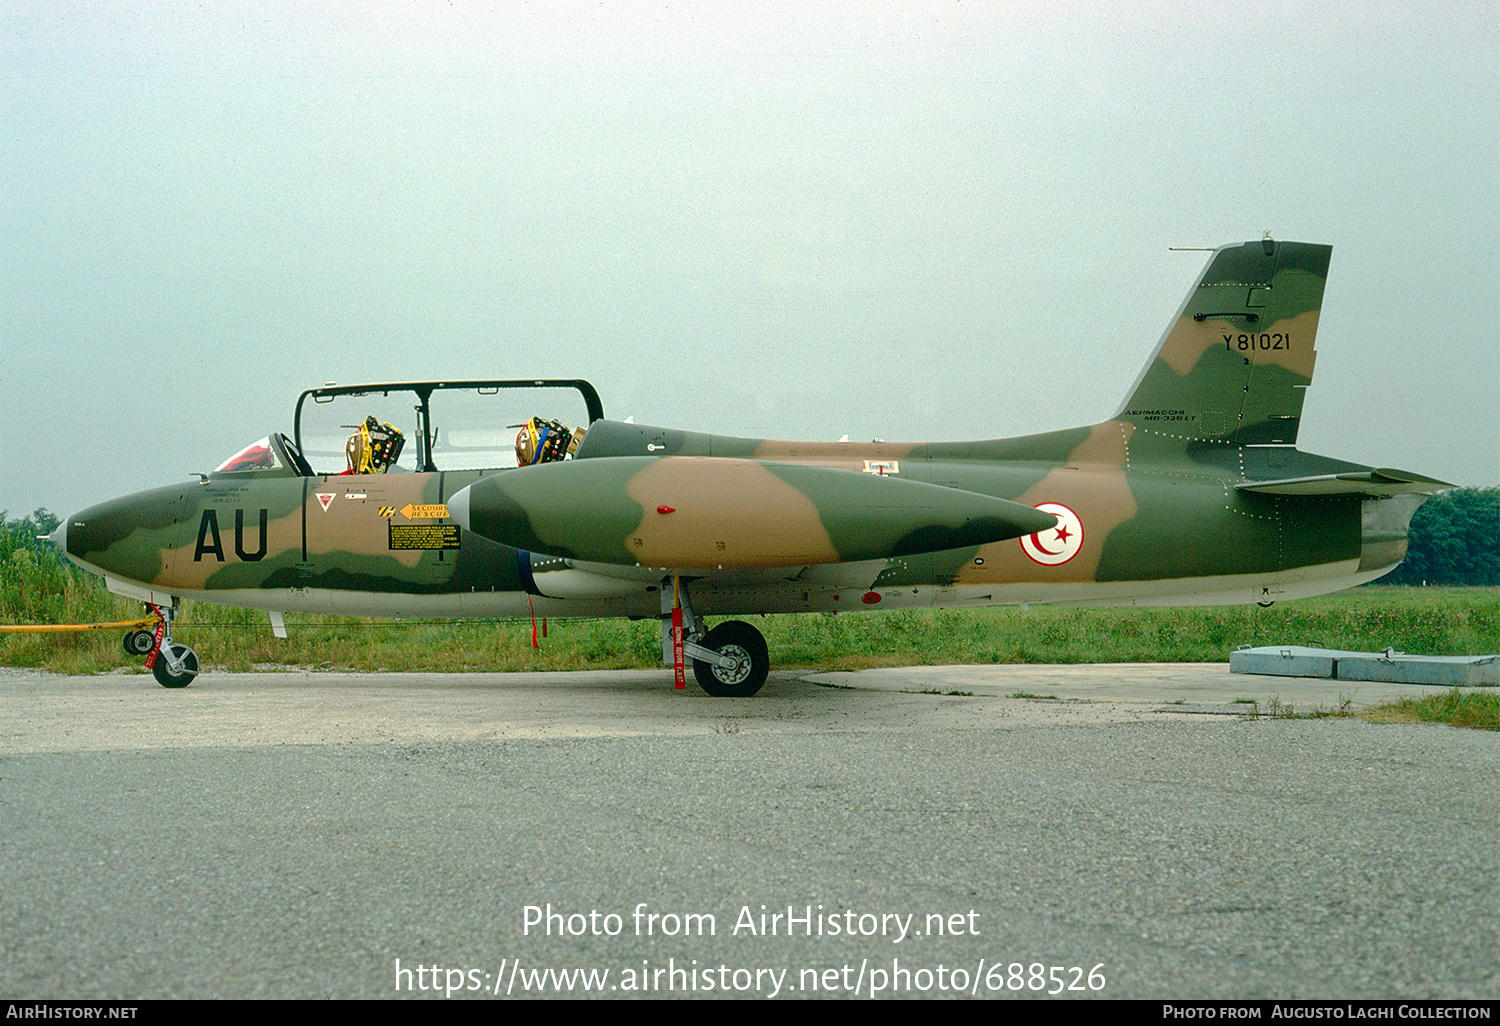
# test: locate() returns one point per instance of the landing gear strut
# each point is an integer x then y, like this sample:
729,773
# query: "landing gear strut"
173,665
730,661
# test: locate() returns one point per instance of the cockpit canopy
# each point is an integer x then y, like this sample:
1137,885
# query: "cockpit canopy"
445,425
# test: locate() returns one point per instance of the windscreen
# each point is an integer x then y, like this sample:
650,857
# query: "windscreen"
255,456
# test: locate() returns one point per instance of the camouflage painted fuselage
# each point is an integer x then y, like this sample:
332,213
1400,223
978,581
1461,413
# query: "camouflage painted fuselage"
1193,493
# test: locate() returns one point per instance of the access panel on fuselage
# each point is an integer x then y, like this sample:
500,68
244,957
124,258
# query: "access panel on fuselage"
377,532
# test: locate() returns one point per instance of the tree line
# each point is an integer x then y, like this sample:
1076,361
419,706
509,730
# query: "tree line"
1454,539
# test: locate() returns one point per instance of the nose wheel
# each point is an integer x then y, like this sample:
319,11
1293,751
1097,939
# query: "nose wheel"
173,665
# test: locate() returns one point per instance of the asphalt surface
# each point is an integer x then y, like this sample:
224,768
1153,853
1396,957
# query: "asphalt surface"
295,835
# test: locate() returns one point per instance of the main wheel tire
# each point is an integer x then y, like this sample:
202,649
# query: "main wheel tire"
138,642
747,647
163,673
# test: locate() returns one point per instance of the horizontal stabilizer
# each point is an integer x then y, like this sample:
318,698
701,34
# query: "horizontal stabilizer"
1378,484
689,512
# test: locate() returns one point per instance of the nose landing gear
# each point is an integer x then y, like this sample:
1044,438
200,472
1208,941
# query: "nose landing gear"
173,665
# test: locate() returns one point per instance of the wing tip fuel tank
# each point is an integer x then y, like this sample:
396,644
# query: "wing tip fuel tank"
705,512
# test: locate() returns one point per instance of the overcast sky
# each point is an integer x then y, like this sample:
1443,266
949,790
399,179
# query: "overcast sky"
791,219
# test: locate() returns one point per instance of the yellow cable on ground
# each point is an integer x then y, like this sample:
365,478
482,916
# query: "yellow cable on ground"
145,621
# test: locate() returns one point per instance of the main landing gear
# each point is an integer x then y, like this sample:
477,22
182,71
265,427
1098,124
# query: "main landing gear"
740,661
729,661
173,665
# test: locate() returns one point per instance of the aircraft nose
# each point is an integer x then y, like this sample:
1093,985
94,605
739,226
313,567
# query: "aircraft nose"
127,537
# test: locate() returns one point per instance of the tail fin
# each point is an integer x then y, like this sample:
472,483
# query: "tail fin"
1236,362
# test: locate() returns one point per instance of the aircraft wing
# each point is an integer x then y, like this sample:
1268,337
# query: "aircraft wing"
689,512
1375,483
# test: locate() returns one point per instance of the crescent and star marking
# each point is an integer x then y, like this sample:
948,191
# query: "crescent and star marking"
1056,545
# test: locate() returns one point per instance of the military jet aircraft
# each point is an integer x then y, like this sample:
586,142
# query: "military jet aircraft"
1193,493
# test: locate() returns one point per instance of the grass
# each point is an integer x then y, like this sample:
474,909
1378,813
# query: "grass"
36,588
1276,709
1458,708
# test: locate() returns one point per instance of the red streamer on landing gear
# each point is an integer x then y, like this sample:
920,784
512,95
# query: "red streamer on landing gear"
679,678
156,636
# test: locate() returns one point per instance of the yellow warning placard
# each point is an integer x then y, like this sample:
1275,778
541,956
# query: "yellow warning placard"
431,511
406,537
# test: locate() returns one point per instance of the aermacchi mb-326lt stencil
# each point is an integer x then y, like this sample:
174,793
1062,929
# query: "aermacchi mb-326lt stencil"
1193,493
